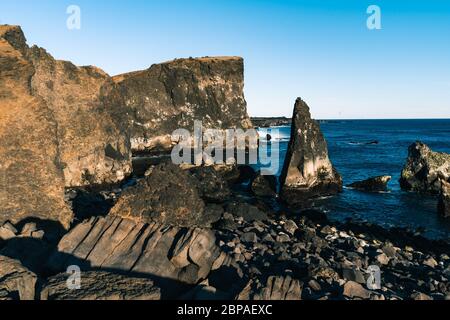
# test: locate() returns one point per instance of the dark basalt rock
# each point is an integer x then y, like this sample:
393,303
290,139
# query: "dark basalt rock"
375,184
307,170
171,95
168,195
264,186
425,170
212,185
100,285
444,200
247,211
275,288
171,256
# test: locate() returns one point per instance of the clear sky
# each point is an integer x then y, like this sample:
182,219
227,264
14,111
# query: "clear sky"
320,50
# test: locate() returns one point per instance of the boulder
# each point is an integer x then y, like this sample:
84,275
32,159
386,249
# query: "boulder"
425,170
355,290
16,281
264,186
31,174
444,200
170,255
275,288
375,184
247,211
168,195
212,185
98,285
307,170
172,95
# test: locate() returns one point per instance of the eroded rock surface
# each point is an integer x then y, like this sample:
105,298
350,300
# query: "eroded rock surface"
184,255
444,200
16,282
99,285
171,95
425,170
275,288
167,195
307,170
31,178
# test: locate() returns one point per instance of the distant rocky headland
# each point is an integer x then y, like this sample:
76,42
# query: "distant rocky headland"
86,185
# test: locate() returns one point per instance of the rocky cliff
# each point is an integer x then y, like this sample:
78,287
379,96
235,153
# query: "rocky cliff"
31,178
172,95
307,170
85,106
425,170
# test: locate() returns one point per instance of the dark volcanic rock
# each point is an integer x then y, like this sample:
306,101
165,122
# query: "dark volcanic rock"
170,255
31,177
97,285
444,200
265,122
307,170
246,211
375,184
168,195
171,95
425,170
212,185
16,282
264,186
276,288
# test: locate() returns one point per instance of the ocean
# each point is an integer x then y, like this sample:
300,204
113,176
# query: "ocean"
353,151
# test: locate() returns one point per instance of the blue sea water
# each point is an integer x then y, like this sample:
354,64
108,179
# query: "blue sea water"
356,160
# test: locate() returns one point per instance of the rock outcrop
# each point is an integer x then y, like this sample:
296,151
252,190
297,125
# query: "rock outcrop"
425,170
444,200
171,95
31,177
16,282
375,184
275,288
92,129
165,253
167,195
99,285
307,170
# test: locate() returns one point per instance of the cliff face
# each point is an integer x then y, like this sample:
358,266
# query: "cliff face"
307,170
31,180
92,128
172,95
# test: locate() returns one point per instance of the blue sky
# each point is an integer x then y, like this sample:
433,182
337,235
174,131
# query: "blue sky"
321,50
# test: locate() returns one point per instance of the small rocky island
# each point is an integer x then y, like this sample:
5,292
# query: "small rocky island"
75,193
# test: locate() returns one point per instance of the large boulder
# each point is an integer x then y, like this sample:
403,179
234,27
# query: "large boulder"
16,282
31,176
99,285
171,95
168,195
307,170
425,170
444,200
170,255
375,184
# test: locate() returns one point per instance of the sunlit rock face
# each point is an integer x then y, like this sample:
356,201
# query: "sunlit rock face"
31,177
92,131
172,95
307,170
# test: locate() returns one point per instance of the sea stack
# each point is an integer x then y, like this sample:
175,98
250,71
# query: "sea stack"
307,171
425,170
375,184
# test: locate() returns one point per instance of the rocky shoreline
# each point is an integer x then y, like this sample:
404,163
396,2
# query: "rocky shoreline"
94,209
